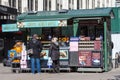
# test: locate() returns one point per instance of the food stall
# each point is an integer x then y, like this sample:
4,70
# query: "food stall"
84,36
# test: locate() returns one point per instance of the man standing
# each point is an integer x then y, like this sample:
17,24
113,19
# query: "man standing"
36,47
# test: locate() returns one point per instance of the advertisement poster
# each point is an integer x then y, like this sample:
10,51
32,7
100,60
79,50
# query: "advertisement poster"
96,58
85,58
45,54
97,45
73,46
63,54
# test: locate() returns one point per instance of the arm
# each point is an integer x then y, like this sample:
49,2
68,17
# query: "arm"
50,51
40,46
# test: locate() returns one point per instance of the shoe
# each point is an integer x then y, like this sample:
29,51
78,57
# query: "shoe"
38,73
32,73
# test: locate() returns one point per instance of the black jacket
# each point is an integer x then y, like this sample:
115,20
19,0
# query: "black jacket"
54,51
37,48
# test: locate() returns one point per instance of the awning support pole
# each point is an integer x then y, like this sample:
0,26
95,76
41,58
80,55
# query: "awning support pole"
75,27
105,47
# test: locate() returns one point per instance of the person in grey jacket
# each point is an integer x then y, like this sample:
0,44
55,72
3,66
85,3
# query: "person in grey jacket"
54,54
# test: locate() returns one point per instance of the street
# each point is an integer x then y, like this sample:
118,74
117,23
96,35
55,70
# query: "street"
6,74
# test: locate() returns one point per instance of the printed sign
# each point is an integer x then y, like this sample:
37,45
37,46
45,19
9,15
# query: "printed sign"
9,28
42,24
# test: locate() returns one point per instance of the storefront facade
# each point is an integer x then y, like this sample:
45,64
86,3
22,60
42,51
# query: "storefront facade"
7,15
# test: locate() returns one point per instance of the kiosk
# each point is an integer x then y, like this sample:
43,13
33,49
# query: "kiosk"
84,35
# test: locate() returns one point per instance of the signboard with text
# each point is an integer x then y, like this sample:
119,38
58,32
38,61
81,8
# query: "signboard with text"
9,28
43,24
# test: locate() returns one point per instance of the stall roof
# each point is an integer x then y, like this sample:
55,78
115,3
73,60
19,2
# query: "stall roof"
64,14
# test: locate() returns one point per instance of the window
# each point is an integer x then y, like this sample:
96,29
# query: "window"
93,4
69,4
87,4
81,2
44,5
78,4
49,4
12,3
57,6
30,5
36,5
98,4
19,6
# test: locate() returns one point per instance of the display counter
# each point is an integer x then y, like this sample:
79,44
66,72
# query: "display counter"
88,54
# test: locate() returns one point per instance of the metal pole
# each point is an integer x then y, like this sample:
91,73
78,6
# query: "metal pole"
75,27
105,47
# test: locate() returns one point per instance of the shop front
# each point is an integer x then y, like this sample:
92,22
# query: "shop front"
84,36
7,15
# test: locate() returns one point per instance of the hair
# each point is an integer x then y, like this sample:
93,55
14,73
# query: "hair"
35,35
54,38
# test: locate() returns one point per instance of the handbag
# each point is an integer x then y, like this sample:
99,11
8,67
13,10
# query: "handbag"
49,63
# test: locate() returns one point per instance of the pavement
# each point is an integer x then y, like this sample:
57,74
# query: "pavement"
6,74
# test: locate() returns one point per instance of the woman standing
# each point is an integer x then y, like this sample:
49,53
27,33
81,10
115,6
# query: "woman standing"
54,54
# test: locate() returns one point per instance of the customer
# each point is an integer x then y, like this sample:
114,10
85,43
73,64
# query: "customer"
36,47
54,54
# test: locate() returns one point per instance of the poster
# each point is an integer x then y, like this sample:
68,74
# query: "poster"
45,53
74,46
96,58
63,54
85,58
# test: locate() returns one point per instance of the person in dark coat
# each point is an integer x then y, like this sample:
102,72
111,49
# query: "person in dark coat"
36,47
54,54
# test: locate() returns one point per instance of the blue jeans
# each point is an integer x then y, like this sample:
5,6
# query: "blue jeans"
35,64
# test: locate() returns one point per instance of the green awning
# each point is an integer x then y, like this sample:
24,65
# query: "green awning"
68,14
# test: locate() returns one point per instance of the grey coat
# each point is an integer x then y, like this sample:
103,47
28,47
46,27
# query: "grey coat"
54,51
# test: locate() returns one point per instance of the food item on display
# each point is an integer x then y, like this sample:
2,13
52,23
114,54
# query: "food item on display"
18,47
16,61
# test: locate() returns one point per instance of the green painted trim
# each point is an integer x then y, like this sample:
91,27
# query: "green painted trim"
105,47
75,27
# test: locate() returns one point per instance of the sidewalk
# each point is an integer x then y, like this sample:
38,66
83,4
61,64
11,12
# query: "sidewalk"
6,74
